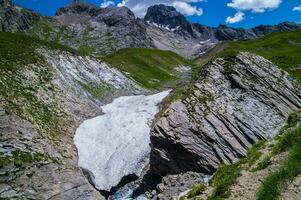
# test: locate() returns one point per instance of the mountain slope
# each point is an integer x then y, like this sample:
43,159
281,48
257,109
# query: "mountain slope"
46,91
102,31
14,18
192,130
280,48
153,69
167,17
44,96
93,30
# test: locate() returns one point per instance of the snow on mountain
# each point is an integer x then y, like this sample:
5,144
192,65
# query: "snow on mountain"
116,144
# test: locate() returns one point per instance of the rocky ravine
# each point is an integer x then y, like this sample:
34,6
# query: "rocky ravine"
233,103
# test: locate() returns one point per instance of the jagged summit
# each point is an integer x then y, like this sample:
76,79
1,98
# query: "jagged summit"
107,30
77,7
13,19
168,17
6,2
165,15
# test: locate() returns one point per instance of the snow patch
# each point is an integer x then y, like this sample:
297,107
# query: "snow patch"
183,69
116,144
166,27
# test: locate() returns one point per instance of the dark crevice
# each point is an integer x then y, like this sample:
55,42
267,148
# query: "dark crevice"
125,180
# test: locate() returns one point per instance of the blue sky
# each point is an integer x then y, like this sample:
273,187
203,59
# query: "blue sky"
248,13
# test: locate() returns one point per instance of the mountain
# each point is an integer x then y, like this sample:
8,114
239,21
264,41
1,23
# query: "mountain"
169,17
94,30
219,109
14,18
170,30
102,31
83,113
46,91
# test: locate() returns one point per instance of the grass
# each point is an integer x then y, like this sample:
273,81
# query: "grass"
18,92
195,191
227,175
290,168
19,158
283,49
151,68
19,50
283,141
85,50
98,90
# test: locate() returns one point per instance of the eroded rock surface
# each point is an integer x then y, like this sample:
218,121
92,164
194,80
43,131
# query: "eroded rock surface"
51,98
31,168
234,103
14,18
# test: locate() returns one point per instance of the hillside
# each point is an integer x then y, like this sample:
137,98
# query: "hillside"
46,91
270,167
98,104
283,49
103,31
151,68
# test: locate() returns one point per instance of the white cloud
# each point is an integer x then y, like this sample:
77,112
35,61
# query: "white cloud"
107,3
256,6
297,8
140,7
187,9
239,16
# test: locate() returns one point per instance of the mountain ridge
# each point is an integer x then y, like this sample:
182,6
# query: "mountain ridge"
222,103
169,17
103,31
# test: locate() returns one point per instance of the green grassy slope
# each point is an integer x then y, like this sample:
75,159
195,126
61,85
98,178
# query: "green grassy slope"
283,49
151,68
18,90
289,141
18,49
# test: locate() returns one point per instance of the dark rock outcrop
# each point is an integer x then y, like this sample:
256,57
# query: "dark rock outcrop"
233,104
14,18
165,15
77,8
97,30
169,17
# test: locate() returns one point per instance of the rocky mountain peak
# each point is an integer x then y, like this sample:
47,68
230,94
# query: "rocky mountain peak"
116,15
13,18
165,15
5,3
77,8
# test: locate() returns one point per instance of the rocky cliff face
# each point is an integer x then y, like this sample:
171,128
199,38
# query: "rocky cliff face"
13,18
94,30
31,168
168,17
234,103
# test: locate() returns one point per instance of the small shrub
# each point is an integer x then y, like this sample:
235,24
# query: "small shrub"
196,190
